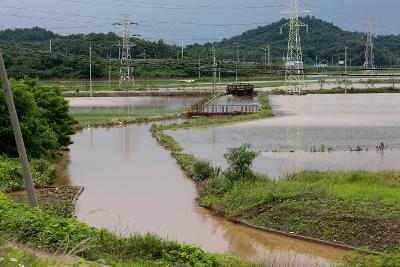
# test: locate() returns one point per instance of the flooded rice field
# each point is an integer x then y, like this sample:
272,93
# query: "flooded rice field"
338,123
133,185
129,105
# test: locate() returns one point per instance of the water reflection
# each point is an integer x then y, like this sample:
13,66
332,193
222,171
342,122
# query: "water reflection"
133,185
340,122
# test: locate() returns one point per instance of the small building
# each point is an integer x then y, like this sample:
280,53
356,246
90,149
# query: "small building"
240,90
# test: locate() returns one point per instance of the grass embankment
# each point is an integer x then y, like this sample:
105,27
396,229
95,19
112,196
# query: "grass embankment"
265,112
140,85
339,90
99,119
14,256
360,209
66,235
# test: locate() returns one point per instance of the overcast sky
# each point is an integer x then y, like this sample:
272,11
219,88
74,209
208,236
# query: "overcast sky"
189,20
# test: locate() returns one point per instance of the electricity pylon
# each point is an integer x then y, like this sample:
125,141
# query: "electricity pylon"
369,63
126,72
294,74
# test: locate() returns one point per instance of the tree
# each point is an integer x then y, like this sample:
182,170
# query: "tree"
43,116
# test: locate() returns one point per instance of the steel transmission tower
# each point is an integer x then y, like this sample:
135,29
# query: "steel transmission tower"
126,71
369,47
294,75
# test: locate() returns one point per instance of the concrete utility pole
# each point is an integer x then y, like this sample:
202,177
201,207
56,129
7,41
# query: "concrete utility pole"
90,69
265,56
51,46
369,47
182,49
237,62
214,69
109,68
125,75
199,67
18,135
345,70
269,56
294,76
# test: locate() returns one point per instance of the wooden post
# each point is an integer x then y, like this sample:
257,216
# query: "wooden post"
18,135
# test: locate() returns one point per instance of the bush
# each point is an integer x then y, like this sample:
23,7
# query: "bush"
44,118
11,177
203,170
240,161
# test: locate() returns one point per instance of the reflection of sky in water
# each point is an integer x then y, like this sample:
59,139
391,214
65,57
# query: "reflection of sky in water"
303,122
130,105
133,185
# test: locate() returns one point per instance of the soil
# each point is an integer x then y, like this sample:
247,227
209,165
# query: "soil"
58,200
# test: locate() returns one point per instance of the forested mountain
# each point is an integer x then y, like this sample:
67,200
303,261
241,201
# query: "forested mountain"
27,51
323,40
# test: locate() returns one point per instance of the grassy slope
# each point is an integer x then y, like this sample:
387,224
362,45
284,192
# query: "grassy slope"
356,208
40,229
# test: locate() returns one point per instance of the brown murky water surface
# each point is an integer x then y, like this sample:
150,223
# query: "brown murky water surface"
133,185
341,122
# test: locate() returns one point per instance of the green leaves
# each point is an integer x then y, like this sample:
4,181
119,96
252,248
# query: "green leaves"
44,119
240,161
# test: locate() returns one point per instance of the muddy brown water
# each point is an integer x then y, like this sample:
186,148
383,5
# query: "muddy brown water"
133,185
341,122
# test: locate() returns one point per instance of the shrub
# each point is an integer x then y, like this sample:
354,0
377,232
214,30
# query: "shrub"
240,161
203,170
11,177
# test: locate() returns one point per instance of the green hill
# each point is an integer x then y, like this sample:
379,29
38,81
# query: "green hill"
27,51
323,40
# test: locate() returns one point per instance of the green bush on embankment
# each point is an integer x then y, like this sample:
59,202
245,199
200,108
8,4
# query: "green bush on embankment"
11,177
66,235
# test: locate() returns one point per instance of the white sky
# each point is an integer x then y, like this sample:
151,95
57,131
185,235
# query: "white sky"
189,20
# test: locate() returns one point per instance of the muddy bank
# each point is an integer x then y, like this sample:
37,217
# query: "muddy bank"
60,200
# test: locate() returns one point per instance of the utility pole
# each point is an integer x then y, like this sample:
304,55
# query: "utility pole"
182,49
219,77
119,50
237,62
144,53
199,67
345,70
214,69
18,135
125,73
109,68
265,56
90,69
269,56
51,46
369,47
294,75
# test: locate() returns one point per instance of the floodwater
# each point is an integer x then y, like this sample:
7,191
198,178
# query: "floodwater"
341,122
133,185
129,105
